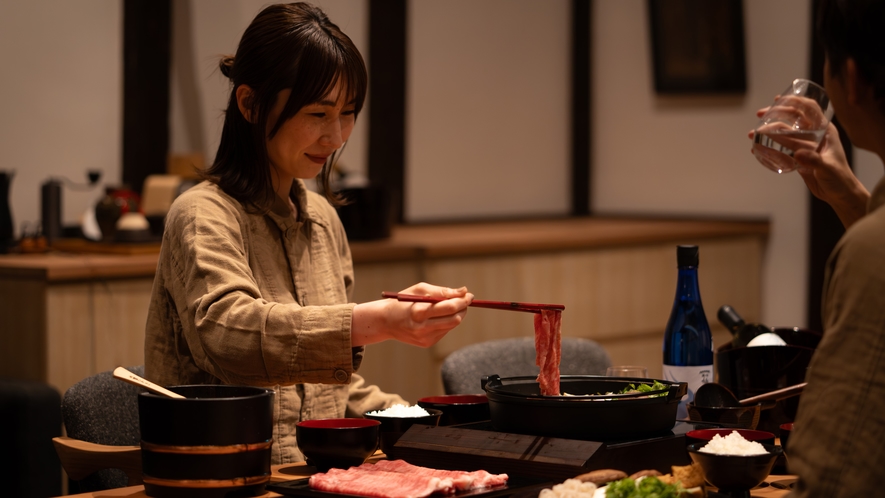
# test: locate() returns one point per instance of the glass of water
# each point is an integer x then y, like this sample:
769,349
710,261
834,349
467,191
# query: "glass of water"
626,371
797,120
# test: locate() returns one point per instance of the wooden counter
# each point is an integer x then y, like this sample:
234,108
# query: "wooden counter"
548,235
70,315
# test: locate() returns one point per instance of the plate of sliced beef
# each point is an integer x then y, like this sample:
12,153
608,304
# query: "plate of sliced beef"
399,479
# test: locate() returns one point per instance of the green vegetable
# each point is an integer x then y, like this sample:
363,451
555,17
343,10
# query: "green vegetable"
625,488
650,487
644,388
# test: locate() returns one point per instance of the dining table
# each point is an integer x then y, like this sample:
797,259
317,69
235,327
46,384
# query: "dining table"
774,486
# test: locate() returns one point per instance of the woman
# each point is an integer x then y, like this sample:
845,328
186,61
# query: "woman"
255,279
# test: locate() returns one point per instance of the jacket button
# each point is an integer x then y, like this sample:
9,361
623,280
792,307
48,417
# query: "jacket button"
341,376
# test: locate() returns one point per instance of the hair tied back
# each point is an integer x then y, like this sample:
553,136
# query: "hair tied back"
226,64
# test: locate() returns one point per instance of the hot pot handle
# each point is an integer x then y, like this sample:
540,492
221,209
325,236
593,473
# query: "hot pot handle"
677,391
494,380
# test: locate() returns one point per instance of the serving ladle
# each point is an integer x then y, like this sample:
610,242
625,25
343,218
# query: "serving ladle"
713,394
127,376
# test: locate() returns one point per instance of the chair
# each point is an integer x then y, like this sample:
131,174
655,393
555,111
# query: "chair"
102,450
463,369
30,417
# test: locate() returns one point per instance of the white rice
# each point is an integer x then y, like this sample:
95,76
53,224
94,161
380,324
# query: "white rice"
401,411
733,444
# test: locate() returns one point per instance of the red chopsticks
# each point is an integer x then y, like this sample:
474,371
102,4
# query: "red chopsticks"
478,303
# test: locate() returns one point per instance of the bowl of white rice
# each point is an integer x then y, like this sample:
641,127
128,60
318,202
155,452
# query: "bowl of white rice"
734,464
397,419
704,435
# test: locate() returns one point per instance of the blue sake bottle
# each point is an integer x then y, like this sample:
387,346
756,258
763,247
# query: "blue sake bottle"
688,344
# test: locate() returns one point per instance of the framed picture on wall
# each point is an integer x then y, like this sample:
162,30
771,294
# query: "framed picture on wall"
698,46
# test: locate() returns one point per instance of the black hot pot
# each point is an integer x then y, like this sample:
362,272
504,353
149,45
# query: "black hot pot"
516,406
215,442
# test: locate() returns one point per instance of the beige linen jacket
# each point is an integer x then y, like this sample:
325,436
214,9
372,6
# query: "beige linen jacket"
262,300
837,446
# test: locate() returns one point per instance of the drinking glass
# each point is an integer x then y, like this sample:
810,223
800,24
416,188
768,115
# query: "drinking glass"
798,119
626,371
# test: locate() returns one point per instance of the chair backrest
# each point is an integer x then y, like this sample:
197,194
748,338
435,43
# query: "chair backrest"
101,409
463,369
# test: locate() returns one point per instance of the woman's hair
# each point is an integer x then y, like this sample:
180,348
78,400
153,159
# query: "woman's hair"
289,46
854,28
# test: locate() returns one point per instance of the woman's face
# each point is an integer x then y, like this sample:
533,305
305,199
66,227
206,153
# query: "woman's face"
301,145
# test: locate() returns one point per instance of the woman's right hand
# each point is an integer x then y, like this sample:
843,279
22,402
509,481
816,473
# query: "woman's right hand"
829,178
418,324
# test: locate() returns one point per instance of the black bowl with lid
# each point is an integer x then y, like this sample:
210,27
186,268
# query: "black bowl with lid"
213,442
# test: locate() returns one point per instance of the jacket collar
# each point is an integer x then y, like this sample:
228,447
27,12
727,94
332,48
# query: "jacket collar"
281,211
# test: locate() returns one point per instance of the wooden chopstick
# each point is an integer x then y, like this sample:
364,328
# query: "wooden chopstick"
478,303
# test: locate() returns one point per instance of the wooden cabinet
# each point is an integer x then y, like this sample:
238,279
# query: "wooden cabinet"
67,316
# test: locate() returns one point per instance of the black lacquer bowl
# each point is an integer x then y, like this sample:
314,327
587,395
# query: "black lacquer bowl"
746,417
393,427
458,408
735,475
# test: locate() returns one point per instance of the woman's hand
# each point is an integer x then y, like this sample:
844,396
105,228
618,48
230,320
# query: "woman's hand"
418,324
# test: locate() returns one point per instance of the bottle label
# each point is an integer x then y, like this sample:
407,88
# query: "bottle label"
695,376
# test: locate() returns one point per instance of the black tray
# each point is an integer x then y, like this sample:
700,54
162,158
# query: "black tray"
300,487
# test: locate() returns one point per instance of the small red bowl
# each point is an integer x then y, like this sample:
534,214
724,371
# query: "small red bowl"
704,435
458,408
786,430
337,442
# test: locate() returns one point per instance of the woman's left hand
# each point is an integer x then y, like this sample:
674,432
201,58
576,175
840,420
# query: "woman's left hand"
418,324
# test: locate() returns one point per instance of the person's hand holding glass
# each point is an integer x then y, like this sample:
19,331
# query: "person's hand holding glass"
797,120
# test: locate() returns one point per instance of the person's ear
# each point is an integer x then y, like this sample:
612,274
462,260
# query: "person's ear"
858,91
244,102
